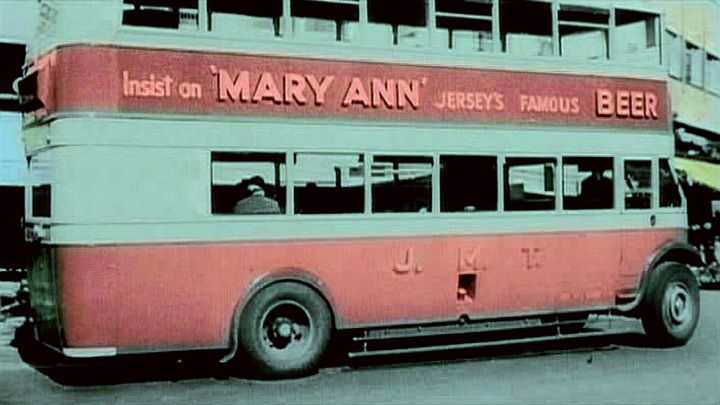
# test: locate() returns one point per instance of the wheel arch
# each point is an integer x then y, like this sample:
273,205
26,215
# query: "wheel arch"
678,252
675,252
290,274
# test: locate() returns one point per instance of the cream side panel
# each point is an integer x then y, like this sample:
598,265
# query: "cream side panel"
17,20
280,135
126,184
279,228
73,20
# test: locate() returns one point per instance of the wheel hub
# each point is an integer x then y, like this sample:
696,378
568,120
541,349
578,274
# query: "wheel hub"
284,326
284,330
679,307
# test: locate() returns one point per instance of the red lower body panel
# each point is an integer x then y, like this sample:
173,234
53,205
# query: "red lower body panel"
180,296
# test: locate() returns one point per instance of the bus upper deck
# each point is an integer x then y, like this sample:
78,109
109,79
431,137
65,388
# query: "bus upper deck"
595,38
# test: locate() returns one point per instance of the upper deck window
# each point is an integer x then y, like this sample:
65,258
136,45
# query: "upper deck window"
388,27
464,25
583,32
637,37
177,14
526,27
246,19
325,20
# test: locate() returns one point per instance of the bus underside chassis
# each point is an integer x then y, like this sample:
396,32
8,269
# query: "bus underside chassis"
286,327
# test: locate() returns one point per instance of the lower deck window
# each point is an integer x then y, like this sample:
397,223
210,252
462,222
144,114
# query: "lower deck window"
468,183
329,184
402,184
587,183
669,188
248,183
638,190
529,184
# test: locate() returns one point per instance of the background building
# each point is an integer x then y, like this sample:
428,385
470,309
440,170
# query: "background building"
693,59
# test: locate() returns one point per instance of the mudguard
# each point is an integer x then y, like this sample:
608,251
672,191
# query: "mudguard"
679,252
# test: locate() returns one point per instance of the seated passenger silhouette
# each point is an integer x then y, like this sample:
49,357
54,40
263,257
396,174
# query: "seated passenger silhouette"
256,202
597,190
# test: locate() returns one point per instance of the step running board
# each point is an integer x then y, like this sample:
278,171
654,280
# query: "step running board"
464,329
477,345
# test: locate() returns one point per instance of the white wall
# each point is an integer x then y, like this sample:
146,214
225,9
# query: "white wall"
18,20
13,169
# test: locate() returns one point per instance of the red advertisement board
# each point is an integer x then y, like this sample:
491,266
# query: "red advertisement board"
89,78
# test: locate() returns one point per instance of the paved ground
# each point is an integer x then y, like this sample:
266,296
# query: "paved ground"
618,370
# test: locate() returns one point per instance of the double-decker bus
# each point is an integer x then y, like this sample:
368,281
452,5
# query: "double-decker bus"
255,176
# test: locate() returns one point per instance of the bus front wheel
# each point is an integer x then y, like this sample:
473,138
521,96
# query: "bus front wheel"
672,305
284,330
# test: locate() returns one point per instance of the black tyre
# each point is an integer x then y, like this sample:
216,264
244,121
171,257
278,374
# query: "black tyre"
284,330
672,305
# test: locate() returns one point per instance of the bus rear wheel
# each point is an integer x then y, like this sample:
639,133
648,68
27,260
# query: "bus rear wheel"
672,305
284,330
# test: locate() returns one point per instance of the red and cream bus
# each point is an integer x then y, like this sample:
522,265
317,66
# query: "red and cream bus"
254,177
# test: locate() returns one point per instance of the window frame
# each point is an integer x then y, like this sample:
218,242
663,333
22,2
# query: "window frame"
654,197
659,31
502,35
173,7
559,24
498,170
688,80
505,187
339,35
285,208
676,179
292,184
469,17
502,176
432,37
680,40
613,166
707,68
434,182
